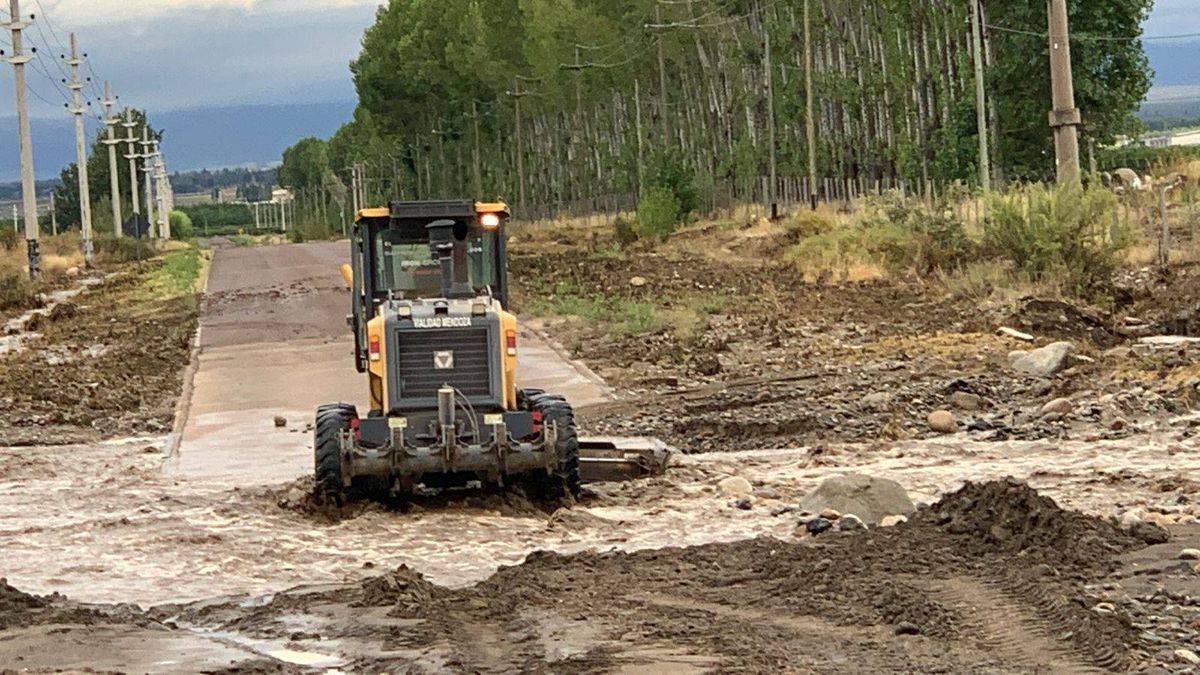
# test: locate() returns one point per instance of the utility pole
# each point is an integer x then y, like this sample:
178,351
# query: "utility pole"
111,121
28,188
53,215
133,157
772,191
16,219
981,117
1064,117
85,197
147,167
637,103
517,95
477,169
663,75
160,182
810,122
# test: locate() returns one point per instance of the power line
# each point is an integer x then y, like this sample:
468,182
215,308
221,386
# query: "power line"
1096,38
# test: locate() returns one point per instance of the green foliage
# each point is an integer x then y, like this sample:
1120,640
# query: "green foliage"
1143,159
658,213
181,225
625,231
1066,231
120,250
219,218
666,170
9,239
178,275
305,165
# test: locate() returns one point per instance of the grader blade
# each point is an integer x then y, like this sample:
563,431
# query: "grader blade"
621,459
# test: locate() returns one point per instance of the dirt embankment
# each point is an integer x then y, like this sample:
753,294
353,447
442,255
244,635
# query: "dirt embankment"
762,358
106,363
989,579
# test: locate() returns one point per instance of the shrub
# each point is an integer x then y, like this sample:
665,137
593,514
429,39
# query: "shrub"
666,169
625,231
123,249
9,239
657,214
808,223
16,290
181,225
1064,230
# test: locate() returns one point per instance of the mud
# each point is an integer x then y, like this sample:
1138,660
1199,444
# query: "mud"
105,365
904,599
778,361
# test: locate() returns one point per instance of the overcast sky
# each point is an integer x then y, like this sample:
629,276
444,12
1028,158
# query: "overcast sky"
178,54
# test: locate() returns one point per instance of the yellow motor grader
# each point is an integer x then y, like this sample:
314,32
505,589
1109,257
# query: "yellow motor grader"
429,291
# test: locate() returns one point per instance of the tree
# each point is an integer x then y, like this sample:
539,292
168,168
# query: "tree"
305,165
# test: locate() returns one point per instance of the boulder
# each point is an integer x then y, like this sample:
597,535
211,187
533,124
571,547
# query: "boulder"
878,400
1189,554
869,498
1045,361
1061,406
735,486
637,282
943,422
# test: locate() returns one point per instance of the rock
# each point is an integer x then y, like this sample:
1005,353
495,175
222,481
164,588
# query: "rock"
1061,406
1046,361
767,493
1130,518
280,422
1105,608
869,498
877,400
72,271
1190,554
906,628
63,310
1149,533
735,486
830,514
817,526
893,520
637,282
850,523
1187,656
943,422
965,400
1016,354
1117,424
1014,333
1169,341
744,504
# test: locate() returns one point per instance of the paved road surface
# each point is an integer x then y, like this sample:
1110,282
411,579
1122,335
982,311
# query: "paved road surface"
274,342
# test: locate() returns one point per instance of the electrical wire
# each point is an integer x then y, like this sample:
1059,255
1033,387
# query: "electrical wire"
1096,38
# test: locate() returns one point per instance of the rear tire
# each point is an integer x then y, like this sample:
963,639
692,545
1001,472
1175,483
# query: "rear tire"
332,420
563,480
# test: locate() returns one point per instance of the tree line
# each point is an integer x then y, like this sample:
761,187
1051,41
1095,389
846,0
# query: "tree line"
564,101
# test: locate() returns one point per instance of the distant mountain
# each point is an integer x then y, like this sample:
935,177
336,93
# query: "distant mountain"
202,138
1174,63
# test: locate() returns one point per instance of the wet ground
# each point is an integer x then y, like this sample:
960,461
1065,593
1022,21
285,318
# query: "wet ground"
229,562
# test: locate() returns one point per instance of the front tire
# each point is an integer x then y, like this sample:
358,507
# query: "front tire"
332,420
563,479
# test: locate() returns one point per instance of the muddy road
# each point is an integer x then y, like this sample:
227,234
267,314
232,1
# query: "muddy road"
201,550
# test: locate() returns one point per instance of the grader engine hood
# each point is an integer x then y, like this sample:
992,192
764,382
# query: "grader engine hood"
443,342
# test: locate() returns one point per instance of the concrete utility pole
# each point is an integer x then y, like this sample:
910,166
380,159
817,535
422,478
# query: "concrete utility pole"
53,215
28,188
78,109
111,121
133,157
160,182
517,95
147,168
772,189
1065,117
16,219
981,117
810,121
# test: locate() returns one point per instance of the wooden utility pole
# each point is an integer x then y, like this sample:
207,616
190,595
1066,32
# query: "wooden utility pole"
1064,117
981,117
662,75
810,121
85,197
111,121
28,188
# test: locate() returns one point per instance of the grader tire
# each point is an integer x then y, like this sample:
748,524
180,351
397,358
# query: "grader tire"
563,479
332,420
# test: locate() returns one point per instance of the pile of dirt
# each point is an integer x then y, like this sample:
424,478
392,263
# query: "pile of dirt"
406,589
15,605
1010,517
19,609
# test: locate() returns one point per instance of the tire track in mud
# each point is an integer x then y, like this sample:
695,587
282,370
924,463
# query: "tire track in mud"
999,617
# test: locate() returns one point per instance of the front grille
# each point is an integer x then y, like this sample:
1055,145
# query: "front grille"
419,352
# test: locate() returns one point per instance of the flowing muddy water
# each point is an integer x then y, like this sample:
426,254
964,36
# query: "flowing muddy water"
102,523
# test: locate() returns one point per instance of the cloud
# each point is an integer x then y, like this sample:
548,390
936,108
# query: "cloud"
184,54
